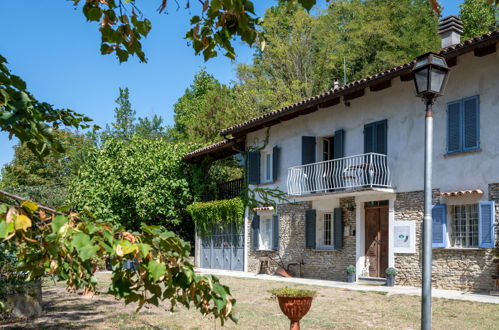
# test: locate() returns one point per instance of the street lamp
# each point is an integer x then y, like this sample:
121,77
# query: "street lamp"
430,77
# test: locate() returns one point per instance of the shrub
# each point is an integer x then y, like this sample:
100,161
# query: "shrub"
351,269
292,292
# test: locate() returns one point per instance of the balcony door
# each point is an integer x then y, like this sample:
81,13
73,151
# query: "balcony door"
376,239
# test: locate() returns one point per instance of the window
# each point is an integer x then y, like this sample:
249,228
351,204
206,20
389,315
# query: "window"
463,122
327,148
267,167
464,226
325,231
375,137
266,234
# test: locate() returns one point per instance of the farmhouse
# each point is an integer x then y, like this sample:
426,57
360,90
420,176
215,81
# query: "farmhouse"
351,163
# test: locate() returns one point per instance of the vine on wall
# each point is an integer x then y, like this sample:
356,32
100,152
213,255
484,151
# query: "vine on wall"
209,215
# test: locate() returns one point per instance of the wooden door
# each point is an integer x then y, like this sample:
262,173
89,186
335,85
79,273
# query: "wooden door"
376,240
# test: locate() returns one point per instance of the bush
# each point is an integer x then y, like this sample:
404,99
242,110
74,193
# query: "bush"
292,292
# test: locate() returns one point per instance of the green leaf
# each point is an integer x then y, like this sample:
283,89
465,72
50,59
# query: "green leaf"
144,249
3,208
58,222
156,270
17,82
6,228
127,247
94,14
80,240
88,252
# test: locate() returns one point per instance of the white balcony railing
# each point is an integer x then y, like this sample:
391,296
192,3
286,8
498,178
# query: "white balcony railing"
360,171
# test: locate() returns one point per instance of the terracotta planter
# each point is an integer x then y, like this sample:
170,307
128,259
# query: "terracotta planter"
295,308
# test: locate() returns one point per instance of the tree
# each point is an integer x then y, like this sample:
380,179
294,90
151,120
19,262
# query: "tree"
124,115
135,181
304,52
45,180
478,17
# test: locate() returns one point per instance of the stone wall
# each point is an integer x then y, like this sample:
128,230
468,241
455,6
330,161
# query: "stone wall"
318,263
452,269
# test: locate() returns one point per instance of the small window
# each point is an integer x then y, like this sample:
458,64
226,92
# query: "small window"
267,167
266,234
325,231
463,125
327,148
464,226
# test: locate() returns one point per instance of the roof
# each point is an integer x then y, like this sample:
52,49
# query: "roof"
216,150
462,193
481,45
313,103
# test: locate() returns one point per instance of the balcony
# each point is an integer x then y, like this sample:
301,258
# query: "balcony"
368,170
224,190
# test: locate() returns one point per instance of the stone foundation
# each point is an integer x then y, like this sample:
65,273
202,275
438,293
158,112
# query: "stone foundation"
320,264
458,269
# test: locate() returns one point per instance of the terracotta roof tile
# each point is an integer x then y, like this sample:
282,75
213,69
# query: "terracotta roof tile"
462,193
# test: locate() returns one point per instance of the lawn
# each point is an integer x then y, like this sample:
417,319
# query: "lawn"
333,308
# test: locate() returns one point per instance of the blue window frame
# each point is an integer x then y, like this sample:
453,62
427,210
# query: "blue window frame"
463,125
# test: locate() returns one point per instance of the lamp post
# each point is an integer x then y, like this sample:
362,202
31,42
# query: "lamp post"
430,77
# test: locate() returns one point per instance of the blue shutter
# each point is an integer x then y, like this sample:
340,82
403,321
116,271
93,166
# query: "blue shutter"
338,229
339,144
275,163
439,227
368,138
381,138
471,122
454,126
310,222
486,219
275,232
307,150
254,167
255,237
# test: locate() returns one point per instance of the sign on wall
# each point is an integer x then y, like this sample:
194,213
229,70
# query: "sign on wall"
404,237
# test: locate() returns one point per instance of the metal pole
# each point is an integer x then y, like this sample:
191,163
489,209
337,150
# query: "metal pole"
427,220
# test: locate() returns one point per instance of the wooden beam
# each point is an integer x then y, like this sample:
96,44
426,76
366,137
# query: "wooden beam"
406,77
451,61
480,52
354,95
380,86
330,103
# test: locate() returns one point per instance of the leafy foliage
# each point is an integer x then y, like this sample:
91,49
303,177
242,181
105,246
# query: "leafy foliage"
209,215
65,247
30,120
133,181
351,269
479,17
292,292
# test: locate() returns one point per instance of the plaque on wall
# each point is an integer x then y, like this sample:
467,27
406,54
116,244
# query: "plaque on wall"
404,237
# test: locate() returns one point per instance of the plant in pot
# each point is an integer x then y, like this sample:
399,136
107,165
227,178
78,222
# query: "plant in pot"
351,274
390,276
294,303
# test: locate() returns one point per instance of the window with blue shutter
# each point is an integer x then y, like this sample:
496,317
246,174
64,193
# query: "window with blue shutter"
376,137
275,163
254,167
338,229
255,228
439,226
307,150
339,144
463,125
486,219
275,232
310,227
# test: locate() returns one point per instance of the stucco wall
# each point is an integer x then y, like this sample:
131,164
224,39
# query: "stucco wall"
405,114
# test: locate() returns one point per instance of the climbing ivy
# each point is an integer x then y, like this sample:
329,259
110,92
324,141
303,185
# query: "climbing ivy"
210,215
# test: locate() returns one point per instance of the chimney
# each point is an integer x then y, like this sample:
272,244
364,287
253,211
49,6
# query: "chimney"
336,83
450,29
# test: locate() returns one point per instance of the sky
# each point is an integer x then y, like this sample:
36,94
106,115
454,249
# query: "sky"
52,47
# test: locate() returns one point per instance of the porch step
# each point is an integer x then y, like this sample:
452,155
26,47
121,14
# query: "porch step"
375,281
